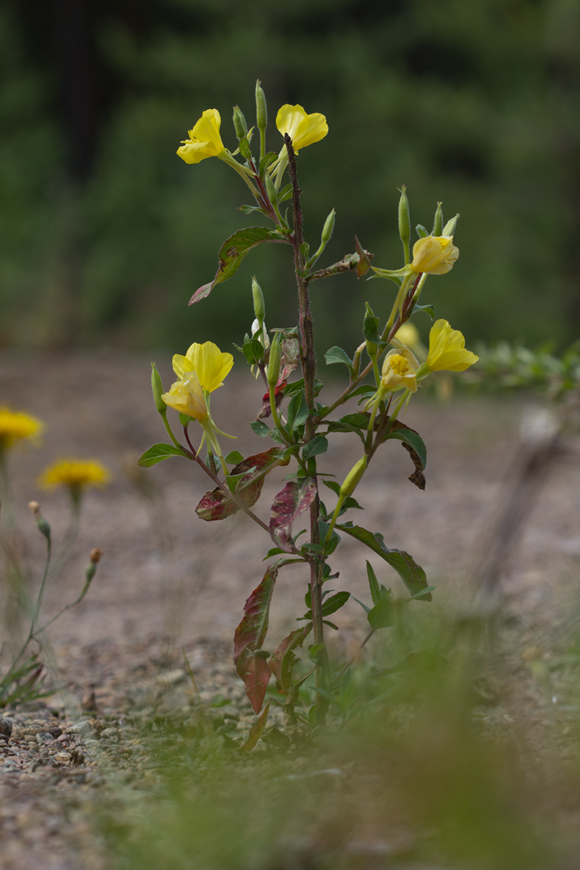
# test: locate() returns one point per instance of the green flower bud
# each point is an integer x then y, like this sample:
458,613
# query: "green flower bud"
328,228
449,228
438,222
274,361
240,125
157,388
95,558
259,304
271,189
404,217
261,108
353,478
41,523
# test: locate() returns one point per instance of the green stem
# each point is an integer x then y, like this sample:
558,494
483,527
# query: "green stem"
398,302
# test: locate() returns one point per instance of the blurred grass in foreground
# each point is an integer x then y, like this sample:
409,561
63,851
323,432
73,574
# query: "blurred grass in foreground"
447,771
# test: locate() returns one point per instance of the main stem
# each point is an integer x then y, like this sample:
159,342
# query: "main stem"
308,364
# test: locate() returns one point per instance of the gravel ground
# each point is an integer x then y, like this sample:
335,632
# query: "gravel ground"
168,580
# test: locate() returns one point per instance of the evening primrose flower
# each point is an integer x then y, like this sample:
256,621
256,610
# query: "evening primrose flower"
303,130
447,349
399,371
434,255
16,426
186,396
205,141
76,474
207,361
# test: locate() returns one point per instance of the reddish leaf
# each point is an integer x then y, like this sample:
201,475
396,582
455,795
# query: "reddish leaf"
265,410
216,505
290,502
283,660
249,659
256,731
290,357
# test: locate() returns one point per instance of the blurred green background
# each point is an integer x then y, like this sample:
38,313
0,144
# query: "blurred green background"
106,233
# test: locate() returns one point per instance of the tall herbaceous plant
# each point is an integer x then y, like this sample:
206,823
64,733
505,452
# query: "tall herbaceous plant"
383,374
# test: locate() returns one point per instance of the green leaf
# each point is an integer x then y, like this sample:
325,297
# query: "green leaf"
428,309
334,603
233,457
373,584
158,453
297,412
318,445
248,209
413,439
410,573
268,158
315,651
260,428
338,355
382,614
233,251
333,485
285,193
371,326
253,351
256,731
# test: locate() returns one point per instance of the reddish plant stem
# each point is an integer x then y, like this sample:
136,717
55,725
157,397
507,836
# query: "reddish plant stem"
308,364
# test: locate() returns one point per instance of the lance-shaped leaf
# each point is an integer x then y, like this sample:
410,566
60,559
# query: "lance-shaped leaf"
290,502
158,453
256,731
249,658
283,660
216,505
233,251
410,573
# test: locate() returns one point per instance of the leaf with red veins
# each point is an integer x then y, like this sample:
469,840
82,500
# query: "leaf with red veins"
290,502
216,505
283,660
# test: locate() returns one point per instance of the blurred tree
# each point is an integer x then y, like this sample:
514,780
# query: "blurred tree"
474,104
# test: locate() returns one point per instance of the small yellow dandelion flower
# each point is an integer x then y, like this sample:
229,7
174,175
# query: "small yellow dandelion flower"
204,139
434,255
207,361
186,396
302,128
447,349
399,370
17,426
77,474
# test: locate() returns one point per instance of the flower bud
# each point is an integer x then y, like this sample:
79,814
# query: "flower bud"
271,189
328,228
404,217
157,388
261,108
240,125
41,523
353,478
438,221
259,303
449,228
95,558
274,361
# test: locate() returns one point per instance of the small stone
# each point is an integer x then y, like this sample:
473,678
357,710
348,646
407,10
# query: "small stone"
5,728
80,727
171,678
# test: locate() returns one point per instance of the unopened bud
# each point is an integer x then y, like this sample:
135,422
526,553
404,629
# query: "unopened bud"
41,523
328,228
95,558
438,221
449,228
271,188
404,217
240,125
259,303
274,361
353,478
261,108
157,388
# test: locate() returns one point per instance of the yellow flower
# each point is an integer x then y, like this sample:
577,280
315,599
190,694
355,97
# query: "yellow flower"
74,473
434,255
408,335
447,349
16,426
186,396
399,370
205,140
303,129
207,361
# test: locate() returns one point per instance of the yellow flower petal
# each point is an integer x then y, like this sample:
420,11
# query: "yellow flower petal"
399,370
16,426
205,140
447,349
434,255
302,128
74,473
186,396
181,365
210,364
